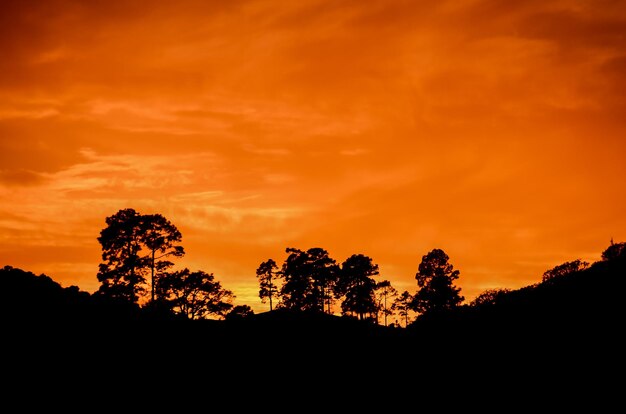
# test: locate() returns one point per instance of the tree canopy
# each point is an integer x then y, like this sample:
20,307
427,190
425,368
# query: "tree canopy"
311,280
385,294
308,277
435,280
403,304
266,274
196,295
614,251
357,286
133,246
564,269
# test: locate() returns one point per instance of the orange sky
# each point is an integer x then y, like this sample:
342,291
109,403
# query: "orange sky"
494,130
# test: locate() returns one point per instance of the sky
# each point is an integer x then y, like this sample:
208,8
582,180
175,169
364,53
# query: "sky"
490,129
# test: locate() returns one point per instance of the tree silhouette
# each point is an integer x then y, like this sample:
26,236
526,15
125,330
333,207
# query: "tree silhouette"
403,304
435,279
239,312
614,251
307,276
124,271
265,273
160,237
196,295
385,293
324,272
356,285
564,269
122,275
489,297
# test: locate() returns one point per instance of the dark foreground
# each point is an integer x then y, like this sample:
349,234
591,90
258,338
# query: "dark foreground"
555,345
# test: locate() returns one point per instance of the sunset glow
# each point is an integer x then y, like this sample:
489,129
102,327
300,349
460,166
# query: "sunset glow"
494,130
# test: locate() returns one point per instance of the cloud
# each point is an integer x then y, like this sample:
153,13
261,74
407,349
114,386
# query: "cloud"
21,178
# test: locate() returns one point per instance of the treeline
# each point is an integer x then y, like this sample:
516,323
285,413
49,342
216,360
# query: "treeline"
310,280
137,269
575,303
138,281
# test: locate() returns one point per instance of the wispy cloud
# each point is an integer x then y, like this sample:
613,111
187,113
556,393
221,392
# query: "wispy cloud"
21,178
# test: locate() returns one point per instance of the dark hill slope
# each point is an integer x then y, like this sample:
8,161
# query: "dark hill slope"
572,324
586,301
562,337
583,303
578,306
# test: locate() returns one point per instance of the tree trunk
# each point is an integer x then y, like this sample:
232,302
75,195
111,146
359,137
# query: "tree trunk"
152,278
385,310
271,291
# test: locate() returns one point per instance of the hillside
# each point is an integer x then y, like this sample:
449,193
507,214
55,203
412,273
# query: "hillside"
590,297
553,344
576,309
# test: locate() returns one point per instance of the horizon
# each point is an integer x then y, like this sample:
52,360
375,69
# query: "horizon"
490,130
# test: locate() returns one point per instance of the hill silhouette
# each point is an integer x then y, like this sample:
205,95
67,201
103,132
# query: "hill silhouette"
588,301
566,330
